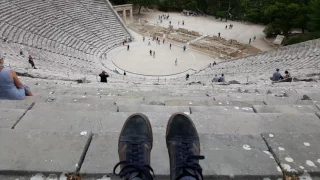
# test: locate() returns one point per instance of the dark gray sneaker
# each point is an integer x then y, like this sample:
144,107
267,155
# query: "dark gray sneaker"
135,144
184,148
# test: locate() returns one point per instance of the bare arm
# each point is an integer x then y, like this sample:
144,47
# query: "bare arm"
16,80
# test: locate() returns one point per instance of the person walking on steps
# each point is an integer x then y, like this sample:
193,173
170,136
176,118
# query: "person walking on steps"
32,62
154,54
219,34
128,47
136,141
150,52
250,41
184,48
170,45
176,61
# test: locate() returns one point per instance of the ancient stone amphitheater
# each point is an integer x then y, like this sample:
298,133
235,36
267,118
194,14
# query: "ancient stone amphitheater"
252,130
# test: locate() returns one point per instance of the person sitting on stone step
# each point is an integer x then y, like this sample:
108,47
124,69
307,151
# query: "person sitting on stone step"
103,77
136,141
11,88
215,78
276,76
221,79
287,75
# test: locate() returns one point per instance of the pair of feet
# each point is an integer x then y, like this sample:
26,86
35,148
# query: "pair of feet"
135,144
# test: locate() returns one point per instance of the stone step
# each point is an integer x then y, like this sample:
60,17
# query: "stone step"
253,97
297,154
290,109
194,102
232,156
288,101
10,104
315,96
87,100
221,109
206,122
10,117
24,151
227,155
101,106
153,108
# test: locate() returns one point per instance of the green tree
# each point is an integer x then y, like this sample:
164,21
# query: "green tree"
119,2
142,3
281,16
315,15
302,18
191,5
221,15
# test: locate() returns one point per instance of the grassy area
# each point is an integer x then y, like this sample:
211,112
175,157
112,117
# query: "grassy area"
302,38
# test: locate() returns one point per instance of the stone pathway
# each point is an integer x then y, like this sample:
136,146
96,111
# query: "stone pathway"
209,25
197,39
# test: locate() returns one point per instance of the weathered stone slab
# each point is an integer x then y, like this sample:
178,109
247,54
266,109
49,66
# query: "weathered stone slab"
153,108
221,109
243,97
298,154
249,123
189,103
290,109
227,156
110,107
286,101
208,122
95,121
172,101
9,117
267,99
23,104
315,96
239,103
40,151
95,100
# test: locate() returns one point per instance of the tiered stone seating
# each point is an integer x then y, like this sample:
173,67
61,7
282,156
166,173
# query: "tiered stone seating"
248,131
68,29
236,127
299,59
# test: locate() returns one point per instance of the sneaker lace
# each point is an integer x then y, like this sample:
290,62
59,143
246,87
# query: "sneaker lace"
134,163
186,160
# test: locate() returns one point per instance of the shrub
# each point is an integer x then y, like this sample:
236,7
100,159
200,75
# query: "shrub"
270,31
